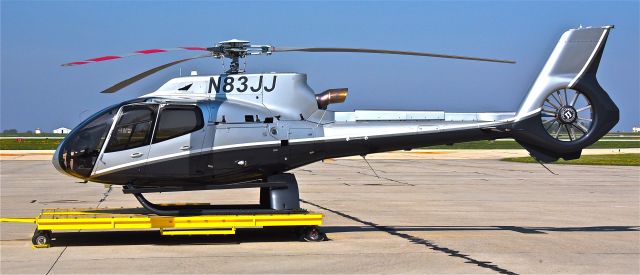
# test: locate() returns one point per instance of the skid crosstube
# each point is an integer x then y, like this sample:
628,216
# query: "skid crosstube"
60,219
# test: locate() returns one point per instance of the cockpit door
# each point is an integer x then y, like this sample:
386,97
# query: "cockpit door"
125,154
176,147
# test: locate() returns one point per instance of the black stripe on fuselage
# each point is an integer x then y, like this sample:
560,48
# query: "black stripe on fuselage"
241,164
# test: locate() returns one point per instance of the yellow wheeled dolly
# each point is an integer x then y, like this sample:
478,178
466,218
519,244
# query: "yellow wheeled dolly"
58,219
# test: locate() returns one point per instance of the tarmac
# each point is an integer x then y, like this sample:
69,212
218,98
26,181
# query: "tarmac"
427,213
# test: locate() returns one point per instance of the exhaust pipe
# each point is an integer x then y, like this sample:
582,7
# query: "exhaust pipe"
331,96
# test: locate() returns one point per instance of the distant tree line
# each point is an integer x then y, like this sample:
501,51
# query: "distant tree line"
28,133
14,131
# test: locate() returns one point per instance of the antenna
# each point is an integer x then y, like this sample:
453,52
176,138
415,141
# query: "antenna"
545,167
364,157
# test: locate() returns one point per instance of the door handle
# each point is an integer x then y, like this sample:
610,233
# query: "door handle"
185,147
136,155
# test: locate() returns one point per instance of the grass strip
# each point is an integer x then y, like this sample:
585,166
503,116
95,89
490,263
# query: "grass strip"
632,159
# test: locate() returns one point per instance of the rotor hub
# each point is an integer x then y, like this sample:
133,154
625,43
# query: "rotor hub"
235,49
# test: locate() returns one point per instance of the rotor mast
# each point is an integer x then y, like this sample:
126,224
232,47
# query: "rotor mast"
235,49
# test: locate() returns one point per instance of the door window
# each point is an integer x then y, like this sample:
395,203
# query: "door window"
133,128
176,121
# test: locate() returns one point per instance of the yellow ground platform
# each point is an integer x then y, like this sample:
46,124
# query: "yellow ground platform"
60,219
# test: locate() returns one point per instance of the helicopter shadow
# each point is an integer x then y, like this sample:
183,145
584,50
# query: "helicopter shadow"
153,237
517,229
268,234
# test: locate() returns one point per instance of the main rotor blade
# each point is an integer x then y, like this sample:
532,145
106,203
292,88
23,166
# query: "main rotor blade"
379,51
150,51
142,75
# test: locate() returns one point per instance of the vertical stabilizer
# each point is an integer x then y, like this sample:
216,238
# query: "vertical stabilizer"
566,108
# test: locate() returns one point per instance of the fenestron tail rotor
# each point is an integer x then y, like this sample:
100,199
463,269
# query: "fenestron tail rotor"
567,114
235,49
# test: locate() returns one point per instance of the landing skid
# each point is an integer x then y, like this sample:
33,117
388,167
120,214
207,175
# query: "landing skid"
278,195
132,189
200,209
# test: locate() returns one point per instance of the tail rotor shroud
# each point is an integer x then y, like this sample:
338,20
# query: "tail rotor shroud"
566,109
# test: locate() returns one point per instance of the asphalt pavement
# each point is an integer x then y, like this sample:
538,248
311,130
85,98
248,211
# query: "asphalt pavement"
417,216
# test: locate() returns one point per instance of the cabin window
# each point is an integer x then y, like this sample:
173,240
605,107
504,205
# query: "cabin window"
175,121
248,118
133,128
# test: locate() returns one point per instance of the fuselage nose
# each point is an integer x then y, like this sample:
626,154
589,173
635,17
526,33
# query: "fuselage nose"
57,161
78,152
65,158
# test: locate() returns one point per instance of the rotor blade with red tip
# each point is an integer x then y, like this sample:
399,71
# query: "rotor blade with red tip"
149,51
381,51
144,74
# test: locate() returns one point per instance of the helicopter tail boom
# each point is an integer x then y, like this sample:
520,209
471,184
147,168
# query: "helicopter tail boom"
566,109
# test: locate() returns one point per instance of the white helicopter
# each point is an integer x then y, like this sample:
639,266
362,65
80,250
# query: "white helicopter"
241,130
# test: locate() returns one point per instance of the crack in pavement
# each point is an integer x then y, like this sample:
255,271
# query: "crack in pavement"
374,171
431,245
56,261
104,197
388,179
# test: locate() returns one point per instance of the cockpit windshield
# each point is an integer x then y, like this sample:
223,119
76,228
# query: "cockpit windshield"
80,150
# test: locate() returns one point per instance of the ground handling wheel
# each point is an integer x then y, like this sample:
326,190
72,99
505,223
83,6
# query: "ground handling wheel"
312,234
41,238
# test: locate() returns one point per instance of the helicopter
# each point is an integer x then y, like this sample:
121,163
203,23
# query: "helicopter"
247,130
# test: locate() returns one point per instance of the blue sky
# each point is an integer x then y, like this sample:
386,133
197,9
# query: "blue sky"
36,37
